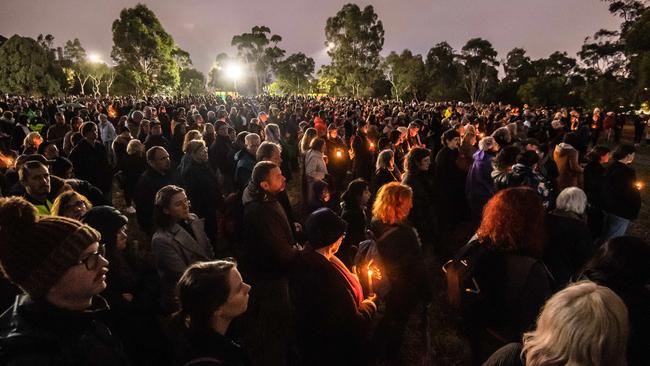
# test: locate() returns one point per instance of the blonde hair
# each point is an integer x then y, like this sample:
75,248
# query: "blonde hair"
310,134
193,146
584,324
30,139
389,204
134,146
190,136
64,198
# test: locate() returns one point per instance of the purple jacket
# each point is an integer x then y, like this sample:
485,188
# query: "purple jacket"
479,184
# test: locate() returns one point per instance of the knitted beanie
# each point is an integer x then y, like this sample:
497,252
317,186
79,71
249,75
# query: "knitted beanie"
324,227
36,251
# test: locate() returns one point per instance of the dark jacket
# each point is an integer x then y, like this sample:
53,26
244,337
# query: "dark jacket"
594,179
422,215
38,333
357,220
245,164
569,246
620,196
268,238
219,152
209,349
200,183
145,194
383,176
91,163
155,140
328,315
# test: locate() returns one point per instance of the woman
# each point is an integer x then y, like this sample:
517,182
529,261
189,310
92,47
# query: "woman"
621,196
622,265
176,144
49,150
201,185
314,165
450,182
513,280
400,250
71,204
191,135
479,187
31,143
332,323
120,144
134,165
423,215
584,324
210,135
566,158
354,202
502,164
305,143
385,170
144,129
569,243
467,149
211,296
594,174
132,291
179,240
320,196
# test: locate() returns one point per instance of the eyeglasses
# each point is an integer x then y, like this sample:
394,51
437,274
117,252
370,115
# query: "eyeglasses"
92,260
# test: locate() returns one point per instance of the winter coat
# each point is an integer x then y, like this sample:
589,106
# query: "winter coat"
383,176
219,152
620,196
569,169
479,187
268,238
38,333
422,215
174,250
244,170
315,168
202,188
328,314
145,194
91,163
569,246
357,220
208,349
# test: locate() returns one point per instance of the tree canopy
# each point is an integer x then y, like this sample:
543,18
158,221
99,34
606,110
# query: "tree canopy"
28,69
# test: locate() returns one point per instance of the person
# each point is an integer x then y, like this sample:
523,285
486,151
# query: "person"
134,165
179,241
502,166
90,160
31,143
319,196
59,264
621,197
211,295
566,158
246,159
513,281
75,125
71,204
40,188
385,170
58,130
362,153
336,318
157,175
422,216
120,145
155,137
106,135
569,243
621,264
354,203
526,173
450,181
200,183
594,175
337,158
584,324
219,152
479,187
401,253
268,250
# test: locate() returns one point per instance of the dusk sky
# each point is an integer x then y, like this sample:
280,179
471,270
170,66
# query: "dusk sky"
205,28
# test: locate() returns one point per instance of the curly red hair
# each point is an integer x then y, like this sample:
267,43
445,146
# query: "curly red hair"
513,220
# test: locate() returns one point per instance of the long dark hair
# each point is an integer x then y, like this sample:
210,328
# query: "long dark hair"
164,196
414,157
354,191
620,264
201,290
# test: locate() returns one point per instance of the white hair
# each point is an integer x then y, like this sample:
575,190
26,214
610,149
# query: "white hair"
383,159
486,143
572,199
584,324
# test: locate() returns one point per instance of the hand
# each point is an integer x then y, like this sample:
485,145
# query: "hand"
372,297
128,297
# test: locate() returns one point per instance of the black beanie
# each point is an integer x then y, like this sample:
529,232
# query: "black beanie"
107,220
323,228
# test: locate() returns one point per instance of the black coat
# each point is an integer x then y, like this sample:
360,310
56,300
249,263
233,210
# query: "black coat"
357,220
268,238
422,215
569,246
200,183
208,348
148,185
620,196
38,333
383,176
331,326
91,163
219,153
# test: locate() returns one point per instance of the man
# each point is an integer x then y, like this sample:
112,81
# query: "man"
268,252
107,135
246,160
90,160
35,178
155,137
57,132
157,175
60,266
219,152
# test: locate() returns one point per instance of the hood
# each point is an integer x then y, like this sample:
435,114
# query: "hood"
481,155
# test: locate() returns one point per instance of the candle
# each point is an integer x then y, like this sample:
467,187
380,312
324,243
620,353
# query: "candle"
370,275
638,185
339,153
372,146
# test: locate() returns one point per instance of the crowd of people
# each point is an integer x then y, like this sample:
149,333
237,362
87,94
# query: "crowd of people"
226,266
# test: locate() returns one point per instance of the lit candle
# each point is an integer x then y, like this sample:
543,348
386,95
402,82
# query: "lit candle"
372,146
370,274
339,153
638,185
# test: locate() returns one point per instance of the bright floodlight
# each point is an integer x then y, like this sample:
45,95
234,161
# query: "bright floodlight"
94,58
233,71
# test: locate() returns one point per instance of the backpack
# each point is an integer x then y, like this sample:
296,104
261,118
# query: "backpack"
463,289
368,264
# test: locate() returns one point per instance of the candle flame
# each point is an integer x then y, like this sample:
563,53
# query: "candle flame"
339,153
638,185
